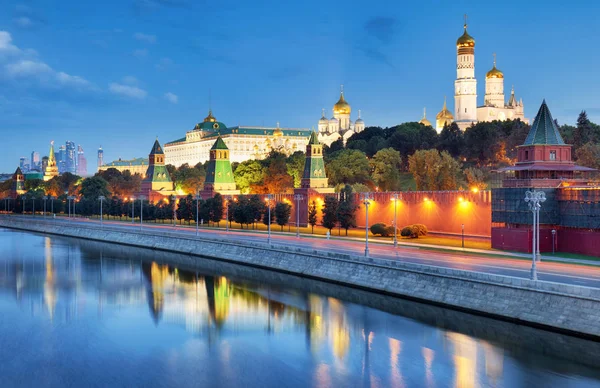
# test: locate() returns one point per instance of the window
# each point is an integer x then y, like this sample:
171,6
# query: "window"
526,155
552,155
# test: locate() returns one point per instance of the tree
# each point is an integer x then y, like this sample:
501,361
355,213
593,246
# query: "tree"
248,174
189,179
409,137
268,217
588,155
433,170
282,213
347,166
94,187
451,139
277,180
386,165
186,208
347,207
583,131
216,208
481,143
334,147
312,215
295,166
476,178
329,211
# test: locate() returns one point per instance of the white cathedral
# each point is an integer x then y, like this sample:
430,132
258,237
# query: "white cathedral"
339,126
466,111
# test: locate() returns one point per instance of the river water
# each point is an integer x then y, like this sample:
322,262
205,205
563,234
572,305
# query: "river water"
84,314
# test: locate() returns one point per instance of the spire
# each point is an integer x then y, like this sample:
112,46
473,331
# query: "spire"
512,101
342,89
494,59
51,156
219,144
465,26
544,130
444,107
314,140
359,114
156,148
424,113
323,113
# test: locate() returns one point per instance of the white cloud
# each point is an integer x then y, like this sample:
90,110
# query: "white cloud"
130,80
6,43
23,22
140,53
27,68
145,37
172,98
72,80
127,91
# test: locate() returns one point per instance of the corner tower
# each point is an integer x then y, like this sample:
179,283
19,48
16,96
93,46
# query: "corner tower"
158,180
314,168
465,86
51,169
219,175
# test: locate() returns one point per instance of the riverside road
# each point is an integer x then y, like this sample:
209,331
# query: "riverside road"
566,273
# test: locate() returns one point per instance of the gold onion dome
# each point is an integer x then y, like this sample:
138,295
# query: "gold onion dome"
342,107
210,118
277,132
444,113
494,73
424,120
465,40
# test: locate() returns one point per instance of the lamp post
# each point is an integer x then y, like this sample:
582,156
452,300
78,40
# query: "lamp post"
141,211
198,198
173,201
269,198
52,204
553,240
132,209
45,198
71,199
32,205
101,199
462,226
395,198
535,199
227,200
298,198
366,199
68,203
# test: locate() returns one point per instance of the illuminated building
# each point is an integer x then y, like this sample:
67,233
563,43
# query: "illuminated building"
245,143
219,175
81,162
18,184
572,201
134,166
466,111
340,126
157,183
51,169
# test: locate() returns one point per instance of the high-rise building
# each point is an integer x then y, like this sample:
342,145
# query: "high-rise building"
71,157
23,164
100,157
61,159
81,162
35,160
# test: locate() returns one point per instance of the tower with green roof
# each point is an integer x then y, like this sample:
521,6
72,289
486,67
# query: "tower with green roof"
157,180
51,169
219,175
314,176
18,183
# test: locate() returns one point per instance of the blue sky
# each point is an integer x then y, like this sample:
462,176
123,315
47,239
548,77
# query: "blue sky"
118,73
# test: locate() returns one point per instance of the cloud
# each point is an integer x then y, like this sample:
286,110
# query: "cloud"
23,22
171,97
127,91
46,75
146,38
27,68
382,28
140,53
376,55
6,45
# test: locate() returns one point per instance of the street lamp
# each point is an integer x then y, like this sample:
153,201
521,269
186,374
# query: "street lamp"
462,226
268,199
553,240
173,201
298,198
101,199
366,199
535,199
52,204
32,205
198,198
132,209
141,211
45,198
395,198
227,201
72,199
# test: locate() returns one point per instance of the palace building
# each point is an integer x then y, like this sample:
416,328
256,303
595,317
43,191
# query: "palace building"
245,143
340,126
134,166
466,111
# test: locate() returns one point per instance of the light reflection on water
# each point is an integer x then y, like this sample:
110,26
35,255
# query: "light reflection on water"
74,313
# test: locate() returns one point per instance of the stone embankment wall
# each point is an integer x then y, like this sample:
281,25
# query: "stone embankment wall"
566,308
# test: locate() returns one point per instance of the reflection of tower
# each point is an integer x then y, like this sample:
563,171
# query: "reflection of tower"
465,86
156,276
465,359
217,294
50,295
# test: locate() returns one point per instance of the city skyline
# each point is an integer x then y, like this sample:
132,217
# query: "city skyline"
393,61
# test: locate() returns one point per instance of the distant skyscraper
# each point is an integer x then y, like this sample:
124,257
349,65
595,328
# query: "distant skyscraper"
81,162
22,164
61,159
71,161
35,160
44,163
100,157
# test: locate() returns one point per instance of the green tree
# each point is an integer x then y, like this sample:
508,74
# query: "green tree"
588,155
216,209
433,170
295,166
329,212
347,166
409,137
334,147
451,139
186,208
189,179
277,180
312,215
248,174
476,178
482,143
386,165
347,207
583,131
266,214
94,187
282,213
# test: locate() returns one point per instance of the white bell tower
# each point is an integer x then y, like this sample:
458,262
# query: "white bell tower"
465,86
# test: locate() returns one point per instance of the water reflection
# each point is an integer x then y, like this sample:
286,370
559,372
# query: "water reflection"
175,326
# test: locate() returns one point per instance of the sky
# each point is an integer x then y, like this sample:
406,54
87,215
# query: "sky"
119,73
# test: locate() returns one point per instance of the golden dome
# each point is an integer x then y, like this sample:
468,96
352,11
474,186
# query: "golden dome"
494,73
210,118
465,40
424,120
342,107
444,113
277,132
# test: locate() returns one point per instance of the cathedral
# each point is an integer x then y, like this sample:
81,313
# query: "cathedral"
466,111
339,126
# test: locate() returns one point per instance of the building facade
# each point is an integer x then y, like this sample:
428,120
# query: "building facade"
134,166
245,143
81,162
340,126
466,110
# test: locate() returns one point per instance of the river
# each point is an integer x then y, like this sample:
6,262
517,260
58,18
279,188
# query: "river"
85,314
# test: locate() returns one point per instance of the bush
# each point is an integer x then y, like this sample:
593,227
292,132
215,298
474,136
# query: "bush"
389,231
379,229
421,229
413,231
407,231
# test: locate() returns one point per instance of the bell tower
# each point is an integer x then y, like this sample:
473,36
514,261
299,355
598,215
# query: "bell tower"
465,86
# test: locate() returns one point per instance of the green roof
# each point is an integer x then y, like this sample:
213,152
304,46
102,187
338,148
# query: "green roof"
19,171
157,149
314,140
254,131
125,163
544,129
219,145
